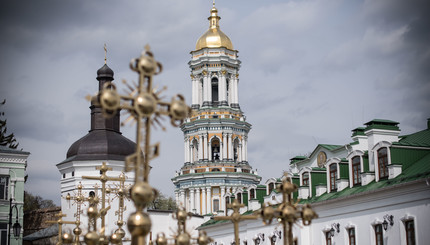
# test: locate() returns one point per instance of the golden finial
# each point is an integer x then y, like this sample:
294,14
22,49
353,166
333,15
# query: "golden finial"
105,52
213,3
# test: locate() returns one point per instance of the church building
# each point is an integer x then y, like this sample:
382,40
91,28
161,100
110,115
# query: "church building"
216,166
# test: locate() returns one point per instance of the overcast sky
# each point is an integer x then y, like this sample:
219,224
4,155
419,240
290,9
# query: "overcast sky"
311,71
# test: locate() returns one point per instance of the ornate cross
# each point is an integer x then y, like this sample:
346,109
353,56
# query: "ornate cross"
103,178
78,199
145,107
288,212
120,193
60,223
235,218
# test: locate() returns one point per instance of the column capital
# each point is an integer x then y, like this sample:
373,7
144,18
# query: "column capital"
205,72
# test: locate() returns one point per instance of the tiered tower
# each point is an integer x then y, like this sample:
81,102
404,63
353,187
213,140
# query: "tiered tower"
216,165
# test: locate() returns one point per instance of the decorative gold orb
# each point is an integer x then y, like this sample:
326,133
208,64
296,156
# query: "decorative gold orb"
288,187
109,99
115,239
91,238
146,64
178,110
67,238
120,223
68,197
120,232
267,214
308,215
121,191
203,238
145,104
92,212
182,215
183,239
139,224
77,231
289,214
108,190
142,193
103,240
161,239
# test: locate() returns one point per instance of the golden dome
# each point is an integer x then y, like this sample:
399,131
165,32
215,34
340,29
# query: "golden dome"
214,37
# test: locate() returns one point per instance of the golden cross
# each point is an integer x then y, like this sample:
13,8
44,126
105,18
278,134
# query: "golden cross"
145,107
120,193
78,199
60,223
105,52
235,218
103,178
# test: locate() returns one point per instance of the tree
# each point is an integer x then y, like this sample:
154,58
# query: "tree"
162,202
32,202
7,140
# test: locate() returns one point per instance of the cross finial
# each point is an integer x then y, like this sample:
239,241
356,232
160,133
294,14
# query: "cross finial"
105,52
213,3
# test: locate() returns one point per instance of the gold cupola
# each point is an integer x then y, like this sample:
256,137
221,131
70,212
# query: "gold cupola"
214,37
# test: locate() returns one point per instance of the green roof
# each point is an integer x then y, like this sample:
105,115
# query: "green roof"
330,147
382,124
358,131
418,170
421,138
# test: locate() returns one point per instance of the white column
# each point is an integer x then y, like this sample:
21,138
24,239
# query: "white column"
236,90
243,148
182,198
222,198
191,153
203,201
239,153
197,198
221,150
230,88
177,198
186,149
208,200
205,87
200,92
201,147
230,146
225,146
192,201
194,92
209,151
222,88
245,155
205,145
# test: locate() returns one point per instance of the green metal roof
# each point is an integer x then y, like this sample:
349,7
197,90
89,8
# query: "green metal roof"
421,138
382,124
330,147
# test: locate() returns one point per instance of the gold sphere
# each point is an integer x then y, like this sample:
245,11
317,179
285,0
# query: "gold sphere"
120,223
68,197
115,239
92,212
145,104
267,214
308,214
161,239
77,231
182,215
139,224
67,238
91,238
103,240
289,214
183,239
203,238
146,64
142,193
120,232
178,110
288,187
109,99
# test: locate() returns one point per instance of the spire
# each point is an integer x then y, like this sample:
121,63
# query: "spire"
214,18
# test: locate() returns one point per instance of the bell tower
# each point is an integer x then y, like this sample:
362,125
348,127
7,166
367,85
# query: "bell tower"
216,167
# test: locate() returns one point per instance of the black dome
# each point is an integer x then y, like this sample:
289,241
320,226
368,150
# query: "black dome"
105,72
101,145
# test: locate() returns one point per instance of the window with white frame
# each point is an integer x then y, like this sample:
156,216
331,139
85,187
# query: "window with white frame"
383,162
356,170
4,184
351,236
379,238
327,238
333,176
410,232
305,179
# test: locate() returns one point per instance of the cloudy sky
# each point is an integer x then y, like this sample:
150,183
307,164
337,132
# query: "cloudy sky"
311,71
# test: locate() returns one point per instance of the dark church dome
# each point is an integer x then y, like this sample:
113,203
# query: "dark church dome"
104,141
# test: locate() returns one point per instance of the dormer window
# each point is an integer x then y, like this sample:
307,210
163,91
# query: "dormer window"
271,187
356,170
305,179
333,176
383,163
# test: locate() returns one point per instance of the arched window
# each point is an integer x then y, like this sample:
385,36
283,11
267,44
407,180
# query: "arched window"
356,170
333,176
215,149
214,91
227,88
305,178
383,163
215,170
